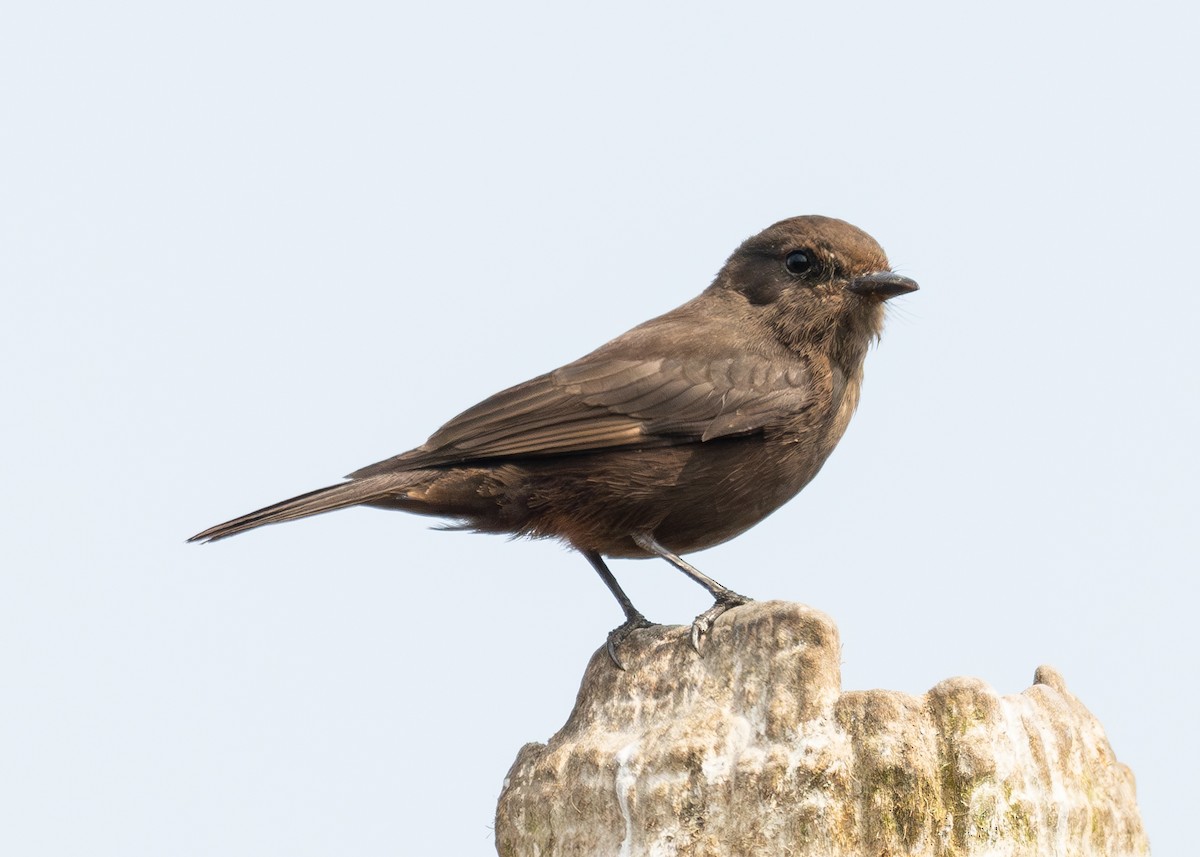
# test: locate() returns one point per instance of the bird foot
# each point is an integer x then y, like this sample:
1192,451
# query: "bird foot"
618,635
703,623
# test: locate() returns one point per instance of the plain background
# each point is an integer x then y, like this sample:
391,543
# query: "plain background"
249,247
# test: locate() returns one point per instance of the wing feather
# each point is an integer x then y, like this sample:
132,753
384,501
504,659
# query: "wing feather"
600,403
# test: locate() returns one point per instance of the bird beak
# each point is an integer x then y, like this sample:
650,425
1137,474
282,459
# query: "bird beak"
882,285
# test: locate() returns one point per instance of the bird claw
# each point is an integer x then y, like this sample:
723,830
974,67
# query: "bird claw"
703,623
617,636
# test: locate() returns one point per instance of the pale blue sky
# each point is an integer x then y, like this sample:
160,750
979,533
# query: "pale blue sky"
249,247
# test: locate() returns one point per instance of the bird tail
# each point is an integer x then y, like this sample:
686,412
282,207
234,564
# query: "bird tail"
352,493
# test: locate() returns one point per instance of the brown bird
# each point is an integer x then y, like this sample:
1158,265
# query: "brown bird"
676,436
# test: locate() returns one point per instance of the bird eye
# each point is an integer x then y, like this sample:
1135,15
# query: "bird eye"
800,262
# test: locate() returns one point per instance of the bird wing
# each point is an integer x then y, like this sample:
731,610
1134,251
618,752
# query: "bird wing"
613,403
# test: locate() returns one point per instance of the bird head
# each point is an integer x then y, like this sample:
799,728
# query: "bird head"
817,282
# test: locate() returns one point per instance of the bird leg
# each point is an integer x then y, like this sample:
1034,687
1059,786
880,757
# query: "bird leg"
633,617
725,598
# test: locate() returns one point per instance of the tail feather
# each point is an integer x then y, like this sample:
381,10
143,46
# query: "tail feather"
353,493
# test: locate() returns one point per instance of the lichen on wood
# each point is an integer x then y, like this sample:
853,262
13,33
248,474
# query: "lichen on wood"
754,748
